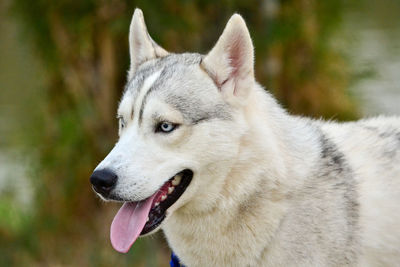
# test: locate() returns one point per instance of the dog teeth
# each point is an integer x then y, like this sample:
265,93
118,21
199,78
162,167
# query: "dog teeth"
164,197
147,219
170,189
157,203
177,179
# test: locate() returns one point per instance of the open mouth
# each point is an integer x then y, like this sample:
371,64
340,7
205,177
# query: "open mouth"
139,218
169,193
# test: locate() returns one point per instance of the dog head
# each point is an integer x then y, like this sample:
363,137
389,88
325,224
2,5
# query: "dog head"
180,125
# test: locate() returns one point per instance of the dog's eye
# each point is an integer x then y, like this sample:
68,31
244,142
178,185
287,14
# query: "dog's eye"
121,122
166,127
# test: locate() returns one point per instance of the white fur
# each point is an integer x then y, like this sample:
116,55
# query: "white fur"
269,189
141,46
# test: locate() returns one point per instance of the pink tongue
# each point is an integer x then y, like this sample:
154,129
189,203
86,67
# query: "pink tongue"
128,223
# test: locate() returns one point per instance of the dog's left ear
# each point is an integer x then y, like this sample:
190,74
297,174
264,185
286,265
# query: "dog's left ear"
231,62
141,45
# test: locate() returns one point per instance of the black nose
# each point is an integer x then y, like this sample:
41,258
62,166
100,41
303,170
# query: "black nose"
103,181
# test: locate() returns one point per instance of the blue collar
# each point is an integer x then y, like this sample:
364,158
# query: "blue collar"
175,261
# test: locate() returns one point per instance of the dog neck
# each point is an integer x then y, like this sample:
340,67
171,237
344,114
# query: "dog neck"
254,190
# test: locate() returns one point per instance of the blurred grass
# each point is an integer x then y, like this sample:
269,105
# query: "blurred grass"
64,72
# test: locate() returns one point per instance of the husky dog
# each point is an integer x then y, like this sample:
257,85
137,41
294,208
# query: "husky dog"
207,155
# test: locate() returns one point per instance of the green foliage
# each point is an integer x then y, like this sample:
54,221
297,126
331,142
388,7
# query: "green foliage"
84,49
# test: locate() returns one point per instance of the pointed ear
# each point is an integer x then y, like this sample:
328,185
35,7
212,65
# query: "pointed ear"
231,62
141,46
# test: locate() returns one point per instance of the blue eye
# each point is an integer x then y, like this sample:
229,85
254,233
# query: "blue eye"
166,127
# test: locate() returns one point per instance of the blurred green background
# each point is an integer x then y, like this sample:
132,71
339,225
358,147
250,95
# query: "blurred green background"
63,66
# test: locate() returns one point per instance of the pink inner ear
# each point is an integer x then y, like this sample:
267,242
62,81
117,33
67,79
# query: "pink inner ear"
236,59
230,62
236,55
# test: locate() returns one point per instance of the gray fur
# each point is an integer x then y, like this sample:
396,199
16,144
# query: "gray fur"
177,91
390,136
195,110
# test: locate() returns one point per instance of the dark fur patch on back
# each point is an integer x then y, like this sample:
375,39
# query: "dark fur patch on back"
391,138
336,169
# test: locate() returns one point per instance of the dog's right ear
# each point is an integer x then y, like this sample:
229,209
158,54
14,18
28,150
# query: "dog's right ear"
141,45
